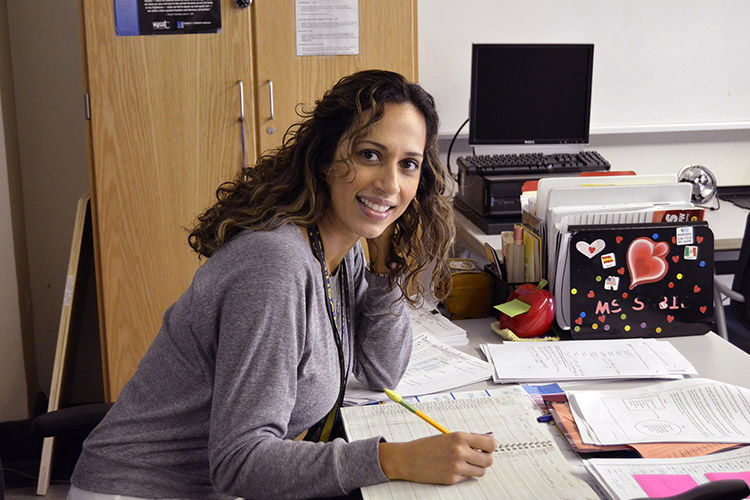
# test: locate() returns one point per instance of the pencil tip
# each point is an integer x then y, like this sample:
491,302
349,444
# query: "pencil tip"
392,394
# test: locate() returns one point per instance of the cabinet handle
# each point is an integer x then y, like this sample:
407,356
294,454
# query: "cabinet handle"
242,101
242,122
270,96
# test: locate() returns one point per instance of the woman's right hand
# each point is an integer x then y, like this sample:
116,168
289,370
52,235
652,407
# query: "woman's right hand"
442,459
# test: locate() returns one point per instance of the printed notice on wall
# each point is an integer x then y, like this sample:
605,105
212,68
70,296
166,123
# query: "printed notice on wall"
166,17
327,27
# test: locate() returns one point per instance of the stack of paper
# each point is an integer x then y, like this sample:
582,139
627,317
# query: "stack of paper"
434,367
586,360
660,477
429,320
691,410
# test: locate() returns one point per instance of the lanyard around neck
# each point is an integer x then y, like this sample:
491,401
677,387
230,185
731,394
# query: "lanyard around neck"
316,244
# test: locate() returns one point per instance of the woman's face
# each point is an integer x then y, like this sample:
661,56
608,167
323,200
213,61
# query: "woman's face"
366,199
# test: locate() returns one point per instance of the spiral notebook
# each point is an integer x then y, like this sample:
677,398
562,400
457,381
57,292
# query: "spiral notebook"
527,463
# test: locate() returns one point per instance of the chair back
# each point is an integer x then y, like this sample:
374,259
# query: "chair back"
741,281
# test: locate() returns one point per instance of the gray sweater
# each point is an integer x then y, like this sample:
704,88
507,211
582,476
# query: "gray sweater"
244,362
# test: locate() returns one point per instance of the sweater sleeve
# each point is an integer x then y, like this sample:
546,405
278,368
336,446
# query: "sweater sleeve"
383,337
262,353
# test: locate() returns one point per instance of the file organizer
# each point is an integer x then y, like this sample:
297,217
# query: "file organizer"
648,280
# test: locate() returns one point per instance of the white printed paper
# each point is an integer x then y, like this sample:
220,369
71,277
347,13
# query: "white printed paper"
327,27
617,475
586,360
434,367
690,410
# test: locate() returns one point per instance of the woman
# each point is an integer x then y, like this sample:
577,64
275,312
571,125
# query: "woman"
239,392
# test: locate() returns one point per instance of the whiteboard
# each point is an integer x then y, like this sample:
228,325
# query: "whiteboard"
659,65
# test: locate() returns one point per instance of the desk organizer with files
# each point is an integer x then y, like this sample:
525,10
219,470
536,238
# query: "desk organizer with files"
626,256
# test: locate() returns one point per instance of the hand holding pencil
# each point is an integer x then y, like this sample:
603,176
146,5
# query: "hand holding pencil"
446,458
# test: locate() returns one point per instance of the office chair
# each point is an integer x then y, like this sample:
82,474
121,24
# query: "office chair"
73,420
70,427
733,321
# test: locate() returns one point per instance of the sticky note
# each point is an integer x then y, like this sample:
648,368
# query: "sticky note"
513,308
716,476
664,485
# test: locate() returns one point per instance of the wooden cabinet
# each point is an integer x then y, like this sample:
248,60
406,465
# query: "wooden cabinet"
388,40
165,132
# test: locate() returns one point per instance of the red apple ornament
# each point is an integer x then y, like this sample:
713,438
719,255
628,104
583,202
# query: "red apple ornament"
537,320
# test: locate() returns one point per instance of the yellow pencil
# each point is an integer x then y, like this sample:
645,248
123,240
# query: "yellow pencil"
398,399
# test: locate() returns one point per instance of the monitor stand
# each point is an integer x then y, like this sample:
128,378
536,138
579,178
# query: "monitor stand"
490,224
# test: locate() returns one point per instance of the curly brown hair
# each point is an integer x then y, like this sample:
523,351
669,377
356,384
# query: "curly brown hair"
289,184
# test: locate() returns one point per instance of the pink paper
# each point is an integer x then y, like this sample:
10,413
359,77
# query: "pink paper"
664,485
716,476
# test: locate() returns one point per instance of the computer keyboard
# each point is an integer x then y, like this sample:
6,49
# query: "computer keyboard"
534,163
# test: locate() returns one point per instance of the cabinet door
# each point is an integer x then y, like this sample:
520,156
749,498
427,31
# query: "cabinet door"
387,40
164,133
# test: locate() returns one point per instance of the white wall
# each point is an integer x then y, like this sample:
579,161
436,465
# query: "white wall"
47,70
673,65
13,404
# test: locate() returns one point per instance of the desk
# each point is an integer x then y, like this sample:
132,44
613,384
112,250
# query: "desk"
712,356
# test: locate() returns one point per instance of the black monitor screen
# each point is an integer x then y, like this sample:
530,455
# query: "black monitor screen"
530,94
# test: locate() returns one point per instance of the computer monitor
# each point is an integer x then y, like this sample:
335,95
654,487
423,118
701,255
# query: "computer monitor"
530,93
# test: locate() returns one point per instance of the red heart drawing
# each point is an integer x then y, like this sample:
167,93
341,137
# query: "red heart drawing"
696,289
646,261
699,239
702,309
675,258
670,318
602,318
621,270
618,239
579,321
590,294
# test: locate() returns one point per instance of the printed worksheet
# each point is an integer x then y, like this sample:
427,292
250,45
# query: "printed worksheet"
690,410
433,367
586,360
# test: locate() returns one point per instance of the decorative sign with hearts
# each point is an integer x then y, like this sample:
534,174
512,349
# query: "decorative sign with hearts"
650,290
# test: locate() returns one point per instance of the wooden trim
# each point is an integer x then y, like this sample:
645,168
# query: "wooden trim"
63,335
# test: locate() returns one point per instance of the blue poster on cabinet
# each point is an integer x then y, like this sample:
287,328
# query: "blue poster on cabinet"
166,17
